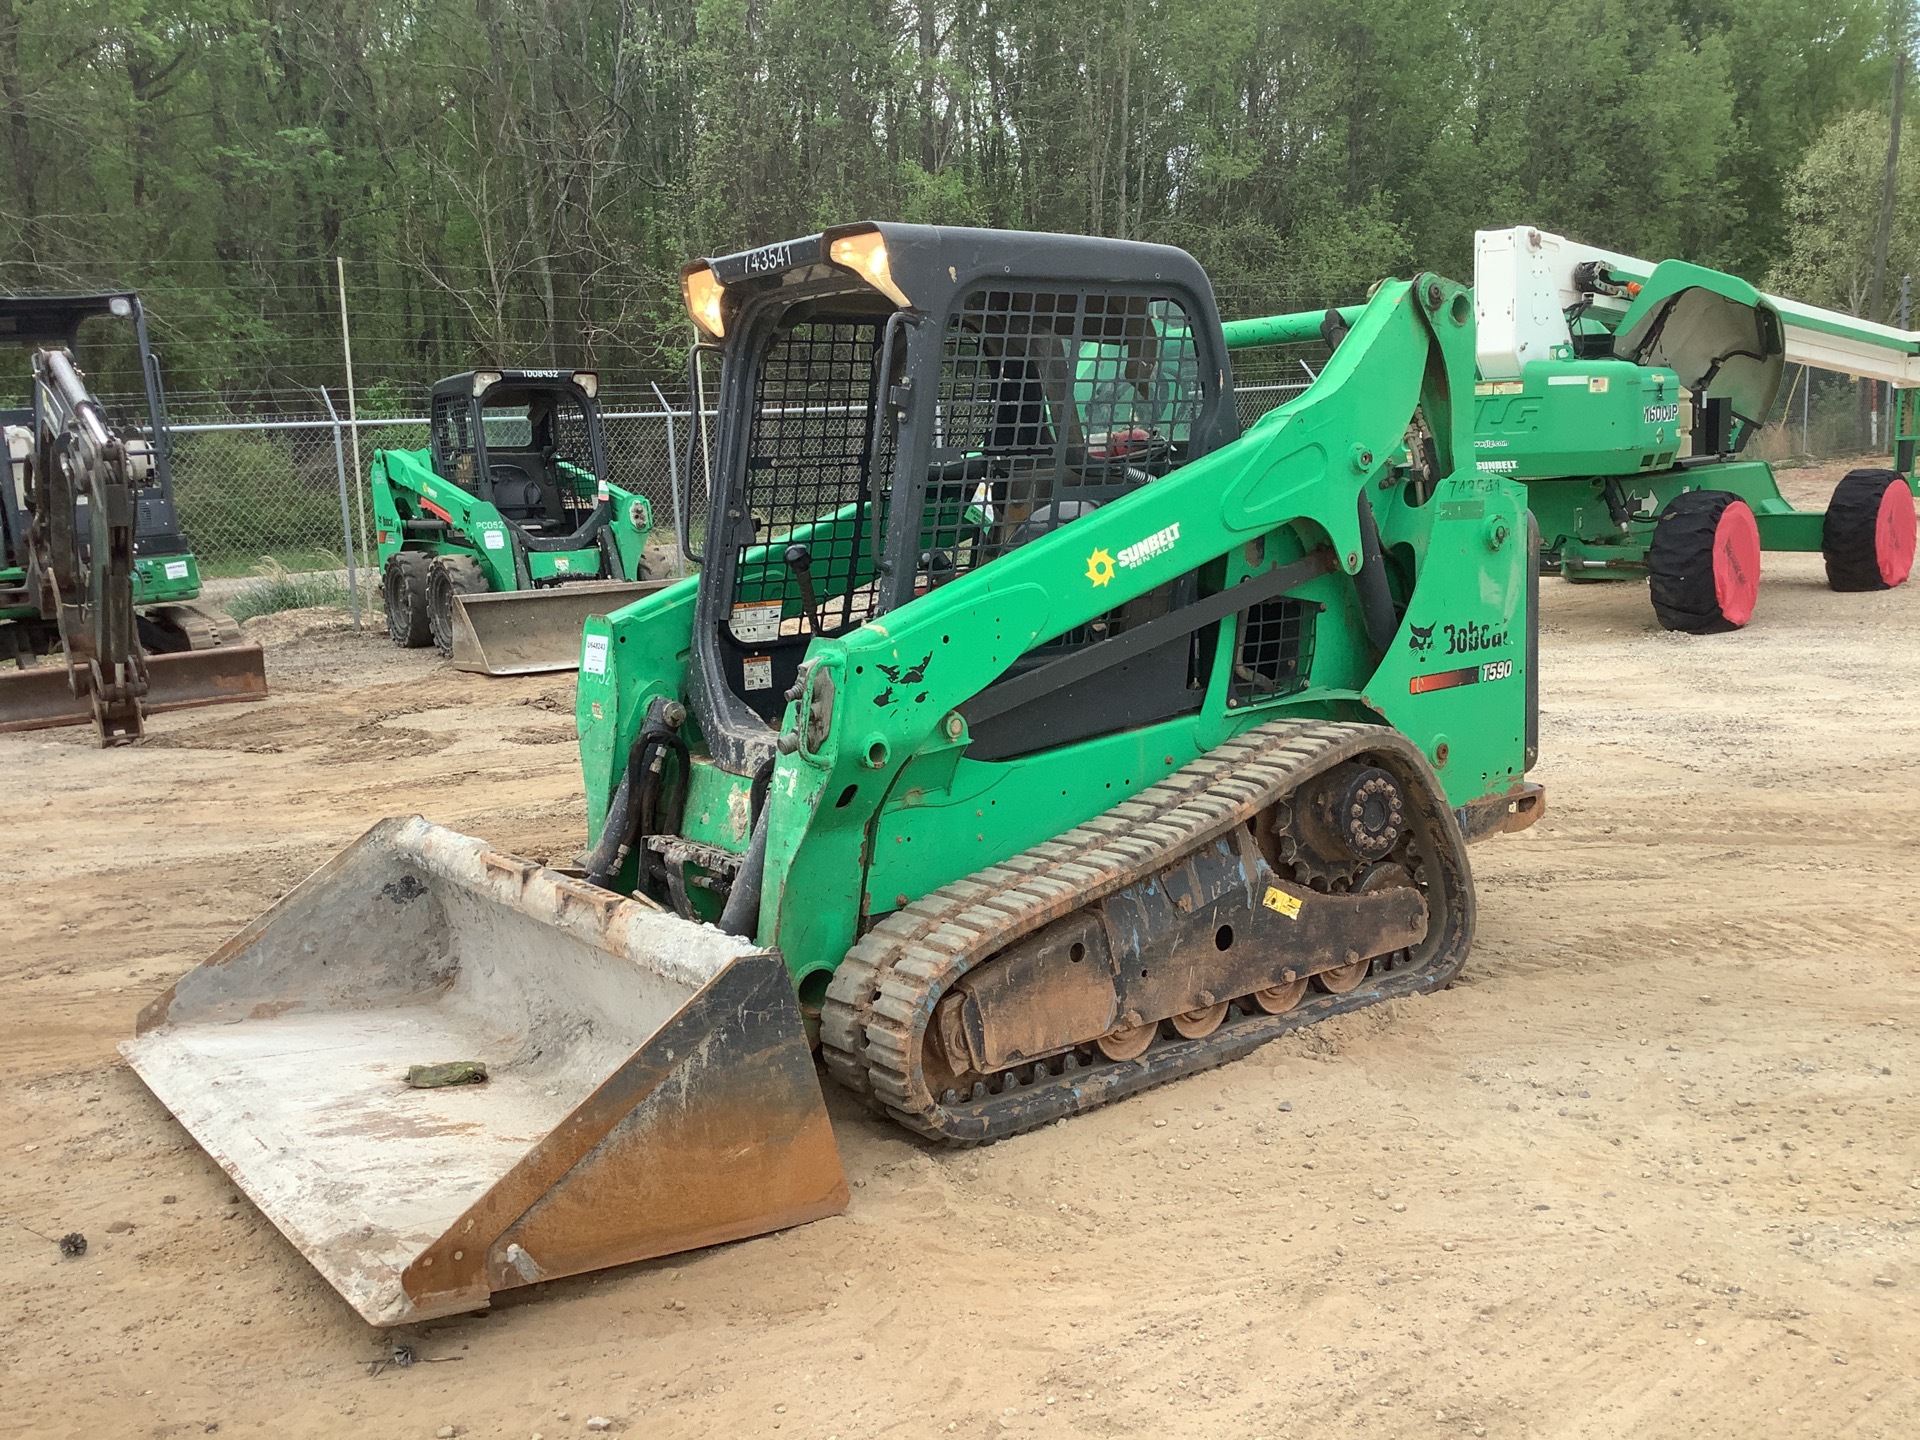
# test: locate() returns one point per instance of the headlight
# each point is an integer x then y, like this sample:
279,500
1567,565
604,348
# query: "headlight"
703,291
588,382
866,256
484,380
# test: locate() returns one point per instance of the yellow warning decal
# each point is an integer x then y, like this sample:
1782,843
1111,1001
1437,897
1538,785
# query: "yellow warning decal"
1277,899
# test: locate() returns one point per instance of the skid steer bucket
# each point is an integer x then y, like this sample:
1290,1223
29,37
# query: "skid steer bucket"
40,696
525,632
648,1087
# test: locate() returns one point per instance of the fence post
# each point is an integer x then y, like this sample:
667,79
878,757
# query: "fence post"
346,519
673,487
353,406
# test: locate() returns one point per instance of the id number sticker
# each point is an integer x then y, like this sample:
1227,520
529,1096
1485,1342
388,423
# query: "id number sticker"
754,624
493,539
756,672
593,655
176,569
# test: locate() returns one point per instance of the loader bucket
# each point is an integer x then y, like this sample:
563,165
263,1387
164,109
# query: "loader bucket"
648,1086
525,632
40,697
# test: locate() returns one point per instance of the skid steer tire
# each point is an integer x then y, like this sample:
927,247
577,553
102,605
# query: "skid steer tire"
448,576
403,587
1868,535
1703,566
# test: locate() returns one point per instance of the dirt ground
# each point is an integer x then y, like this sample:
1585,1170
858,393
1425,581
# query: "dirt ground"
1652,1169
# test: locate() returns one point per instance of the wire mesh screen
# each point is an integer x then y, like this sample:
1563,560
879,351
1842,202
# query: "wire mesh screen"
1051,402
814,463
1275,650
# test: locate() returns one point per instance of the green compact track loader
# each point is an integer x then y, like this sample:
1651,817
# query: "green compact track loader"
1030,736
500,538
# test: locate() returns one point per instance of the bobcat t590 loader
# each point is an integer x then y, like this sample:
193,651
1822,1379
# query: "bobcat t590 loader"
1030,735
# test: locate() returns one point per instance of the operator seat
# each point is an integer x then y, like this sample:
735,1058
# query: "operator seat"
524,490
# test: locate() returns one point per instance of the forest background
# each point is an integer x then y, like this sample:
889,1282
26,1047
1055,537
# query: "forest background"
520,182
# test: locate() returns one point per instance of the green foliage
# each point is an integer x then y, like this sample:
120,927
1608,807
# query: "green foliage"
522,182
278,589
1833,205
253,493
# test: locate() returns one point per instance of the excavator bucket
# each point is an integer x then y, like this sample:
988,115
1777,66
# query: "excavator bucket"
442,1072
40,696
526,632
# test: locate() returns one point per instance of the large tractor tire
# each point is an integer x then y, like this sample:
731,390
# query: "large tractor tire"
450,575
1703,566
1868,535
403,586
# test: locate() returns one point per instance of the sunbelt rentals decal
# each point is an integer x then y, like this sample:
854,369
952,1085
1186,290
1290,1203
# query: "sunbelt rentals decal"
1102,564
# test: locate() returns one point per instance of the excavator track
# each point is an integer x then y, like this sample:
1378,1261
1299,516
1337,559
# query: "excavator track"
876,1021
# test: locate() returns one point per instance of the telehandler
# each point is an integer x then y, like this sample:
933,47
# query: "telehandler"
505,533
1029,734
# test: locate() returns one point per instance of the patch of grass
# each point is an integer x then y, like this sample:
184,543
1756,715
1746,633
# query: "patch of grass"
279,589
236,566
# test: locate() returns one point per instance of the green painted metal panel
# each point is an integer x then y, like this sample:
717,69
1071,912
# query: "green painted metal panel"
165,579
1588,417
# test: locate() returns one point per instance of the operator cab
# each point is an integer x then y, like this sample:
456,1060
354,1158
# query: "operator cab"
895,406
528,442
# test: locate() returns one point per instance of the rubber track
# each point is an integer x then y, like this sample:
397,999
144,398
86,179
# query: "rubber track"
884,992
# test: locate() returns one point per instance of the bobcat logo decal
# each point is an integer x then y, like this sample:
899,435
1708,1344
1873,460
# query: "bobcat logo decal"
1420,637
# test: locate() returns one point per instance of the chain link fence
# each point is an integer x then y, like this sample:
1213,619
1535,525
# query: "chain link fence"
258,495
285,493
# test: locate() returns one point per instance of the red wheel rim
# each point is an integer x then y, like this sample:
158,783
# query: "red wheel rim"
1736,562
1893,533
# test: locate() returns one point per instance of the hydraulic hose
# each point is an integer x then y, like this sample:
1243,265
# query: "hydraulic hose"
635,811
1376,597
616,835
741,915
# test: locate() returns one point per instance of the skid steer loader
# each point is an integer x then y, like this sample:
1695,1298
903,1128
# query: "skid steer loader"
93,565
1030,736
504,534
1623,394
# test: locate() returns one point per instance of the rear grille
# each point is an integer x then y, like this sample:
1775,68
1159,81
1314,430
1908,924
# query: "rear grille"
1275,652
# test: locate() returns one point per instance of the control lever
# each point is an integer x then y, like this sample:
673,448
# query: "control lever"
800,562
